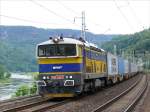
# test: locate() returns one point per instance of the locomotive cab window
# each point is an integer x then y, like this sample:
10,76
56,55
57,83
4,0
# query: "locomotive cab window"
57,50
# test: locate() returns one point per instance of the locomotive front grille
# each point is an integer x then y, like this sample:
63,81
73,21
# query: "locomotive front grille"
69,83
41,83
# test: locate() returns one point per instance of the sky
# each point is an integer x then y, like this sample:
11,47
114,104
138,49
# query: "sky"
101,16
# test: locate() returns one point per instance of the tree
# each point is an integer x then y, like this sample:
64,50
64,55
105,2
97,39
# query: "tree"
2,71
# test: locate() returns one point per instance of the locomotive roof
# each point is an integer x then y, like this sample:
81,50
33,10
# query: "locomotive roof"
71,41
64,41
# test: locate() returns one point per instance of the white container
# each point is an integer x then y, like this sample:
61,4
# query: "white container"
133,68
112,63
126,69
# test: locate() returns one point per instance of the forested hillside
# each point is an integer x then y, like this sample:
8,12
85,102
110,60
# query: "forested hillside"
139,42
136,45
18,43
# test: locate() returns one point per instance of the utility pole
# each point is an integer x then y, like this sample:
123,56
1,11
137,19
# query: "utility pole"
115,50
83,26
133,58
83,29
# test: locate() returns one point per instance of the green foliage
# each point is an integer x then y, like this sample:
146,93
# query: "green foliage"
35,75
33,89
22,91
4,74
137,45
25,90
2,71
5,81
7,75
139,42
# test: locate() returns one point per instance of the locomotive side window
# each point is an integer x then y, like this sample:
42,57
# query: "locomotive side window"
41,51
46,50
50,51
60,50
57,50
70,50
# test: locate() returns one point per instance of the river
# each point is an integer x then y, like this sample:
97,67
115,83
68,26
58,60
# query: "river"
7,90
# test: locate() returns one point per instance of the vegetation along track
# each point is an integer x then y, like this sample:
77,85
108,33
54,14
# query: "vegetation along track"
125,101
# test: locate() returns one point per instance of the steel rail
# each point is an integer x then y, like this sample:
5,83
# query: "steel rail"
138,97
36,106
46,106
28,105
111,101
17,98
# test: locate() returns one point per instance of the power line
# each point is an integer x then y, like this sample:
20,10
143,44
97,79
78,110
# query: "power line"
135,15
26,20
123,15
52,12
68,8
73,11
56,13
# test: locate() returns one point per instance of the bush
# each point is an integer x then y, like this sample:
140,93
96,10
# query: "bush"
7,75
25,90
33,89
4,74
2,71
22,91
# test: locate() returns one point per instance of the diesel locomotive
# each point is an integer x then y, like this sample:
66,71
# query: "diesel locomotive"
69,66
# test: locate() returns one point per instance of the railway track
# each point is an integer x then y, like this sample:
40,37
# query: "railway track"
17,103
33,104
16,99
125,101
43,105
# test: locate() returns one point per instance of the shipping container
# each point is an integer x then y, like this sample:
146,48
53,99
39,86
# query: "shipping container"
112,63
133,68
121,66
130,67
126,66
140,67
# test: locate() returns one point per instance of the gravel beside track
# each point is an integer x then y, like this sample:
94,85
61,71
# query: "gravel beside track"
122,104
90,102
45,106
144,103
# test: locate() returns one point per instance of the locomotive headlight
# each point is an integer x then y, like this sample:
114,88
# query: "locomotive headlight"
47,77
55,40
70,77
67,77
44,77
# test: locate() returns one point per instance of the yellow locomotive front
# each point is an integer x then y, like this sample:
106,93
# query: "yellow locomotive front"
60,67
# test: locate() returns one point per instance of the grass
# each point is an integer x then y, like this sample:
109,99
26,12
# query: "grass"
33,74
147,71
5,81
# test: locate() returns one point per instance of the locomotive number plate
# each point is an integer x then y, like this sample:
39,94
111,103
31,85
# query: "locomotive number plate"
57,77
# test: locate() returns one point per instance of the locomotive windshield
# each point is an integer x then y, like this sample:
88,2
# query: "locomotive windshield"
57,50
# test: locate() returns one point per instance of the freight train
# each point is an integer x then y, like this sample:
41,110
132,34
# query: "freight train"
69,67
